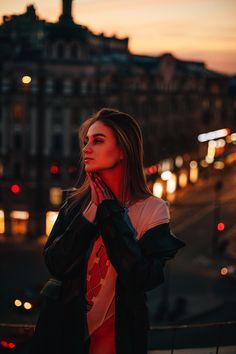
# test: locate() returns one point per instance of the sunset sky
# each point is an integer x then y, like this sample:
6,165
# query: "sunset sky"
202,30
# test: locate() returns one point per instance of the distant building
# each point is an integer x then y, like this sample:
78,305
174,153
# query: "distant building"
53,75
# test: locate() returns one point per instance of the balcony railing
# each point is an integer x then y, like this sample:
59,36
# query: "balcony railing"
188,338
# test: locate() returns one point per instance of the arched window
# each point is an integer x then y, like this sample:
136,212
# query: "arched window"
74,51
60,50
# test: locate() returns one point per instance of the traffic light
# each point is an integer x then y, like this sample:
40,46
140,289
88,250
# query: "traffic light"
55,170
220,226
15,188
221,241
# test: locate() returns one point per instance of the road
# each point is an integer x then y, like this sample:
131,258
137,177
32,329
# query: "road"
193,283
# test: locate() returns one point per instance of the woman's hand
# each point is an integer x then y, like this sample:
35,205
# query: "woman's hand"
99,190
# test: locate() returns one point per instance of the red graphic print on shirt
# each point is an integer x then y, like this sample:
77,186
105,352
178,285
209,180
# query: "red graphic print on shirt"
96,275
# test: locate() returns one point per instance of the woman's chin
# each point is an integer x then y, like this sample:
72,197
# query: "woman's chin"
90,168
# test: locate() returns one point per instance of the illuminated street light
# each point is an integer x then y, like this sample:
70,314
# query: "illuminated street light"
183,179
26,79
158,189
220,143
193,176
17,303
203,163
179,161
233,138
27,305
219,165
171,184
166,175
224,271
213,135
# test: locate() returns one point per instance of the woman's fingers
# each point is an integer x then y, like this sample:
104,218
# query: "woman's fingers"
99,189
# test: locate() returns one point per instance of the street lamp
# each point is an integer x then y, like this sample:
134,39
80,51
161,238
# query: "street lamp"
26,79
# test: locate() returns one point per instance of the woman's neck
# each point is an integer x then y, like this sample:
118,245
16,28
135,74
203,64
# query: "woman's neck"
114,179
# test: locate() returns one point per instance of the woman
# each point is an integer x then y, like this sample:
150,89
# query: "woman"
107,248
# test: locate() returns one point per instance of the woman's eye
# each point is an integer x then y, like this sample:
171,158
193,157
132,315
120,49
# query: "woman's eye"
97,141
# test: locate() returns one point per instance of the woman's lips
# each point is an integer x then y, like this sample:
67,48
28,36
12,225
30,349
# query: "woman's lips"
86,159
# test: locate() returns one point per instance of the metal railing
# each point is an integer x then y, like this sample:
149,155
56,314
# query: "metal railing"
168,339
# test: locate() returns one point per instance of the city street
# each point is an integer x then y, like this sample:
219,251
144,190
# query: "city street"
194,275
194,287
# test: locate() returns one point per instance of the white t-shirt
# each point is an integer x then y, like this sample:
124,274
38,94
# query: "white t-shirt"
101,275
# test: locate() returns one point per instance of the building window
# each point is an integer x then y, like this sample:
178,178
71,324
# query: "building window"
17,170
50,220
74,51
60,50
75,117
1,169
77,87
2,222
17,141
55,195
67,87
19,222
6,84
18,111
218,104
57,119
58,86
74,142
56,144
49,86
205,104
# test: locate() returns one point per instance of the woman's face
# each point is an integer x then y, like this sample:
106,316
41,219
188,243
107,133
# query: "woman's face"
101,151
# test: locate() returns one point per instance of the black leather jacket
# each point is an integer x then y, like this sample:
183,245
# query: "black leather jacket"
139,266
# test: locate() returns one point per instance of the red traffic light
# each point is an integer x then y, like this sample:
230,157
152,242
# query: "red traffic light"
15,188
220,226
6,344
54,169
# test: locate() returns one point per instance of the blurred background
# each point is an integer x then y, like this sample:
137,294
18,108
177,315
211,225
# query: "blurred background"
171,65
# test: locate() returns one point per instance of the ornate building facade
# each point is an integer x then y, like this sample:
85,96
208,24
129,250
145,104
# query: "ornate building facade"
53,75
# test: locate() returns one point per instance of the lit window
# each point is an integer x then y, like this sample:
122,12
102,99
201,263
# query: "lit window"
19,222
50,220
2,223
22,215
18,111
1,169
55,196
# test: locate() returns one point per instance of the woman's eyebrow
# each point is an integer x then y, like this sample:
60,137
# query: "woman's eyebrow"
95,135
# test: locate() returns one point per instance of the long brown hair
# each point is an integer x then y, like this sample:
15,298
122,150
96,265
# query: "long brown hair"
129,138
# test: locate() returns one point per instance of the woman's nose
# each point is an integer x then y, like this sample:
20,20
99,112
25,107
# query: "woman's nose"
86,149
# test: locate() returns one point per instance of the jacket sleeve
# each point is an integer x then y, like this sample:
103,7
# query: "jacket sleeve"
139,264
68,242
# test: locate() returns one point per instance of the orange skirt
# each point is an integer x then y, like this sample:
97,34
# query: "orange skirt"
102,341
